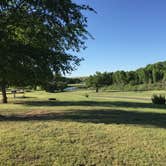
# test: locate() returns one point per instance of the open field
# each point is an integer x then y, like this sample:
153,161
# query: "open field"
108,128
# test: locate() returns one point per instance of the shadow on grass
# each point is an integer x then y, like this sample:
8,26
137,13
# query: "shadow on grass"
108,116
126,104
25,97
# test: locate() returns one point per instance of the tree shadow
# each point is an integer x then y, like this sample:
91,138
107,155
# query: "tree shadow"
124,104
106,116
25,97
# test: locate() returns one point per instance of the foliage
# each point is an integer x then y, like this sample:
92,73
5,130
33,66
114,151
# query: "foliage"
60,86
36,38
59,83
50,87
98,80
139,87
148,78
158,99
73,80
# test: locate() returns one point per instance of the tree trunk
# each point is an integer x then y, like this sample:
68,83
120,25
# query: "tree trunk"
4,97
35,87
97,89
14,95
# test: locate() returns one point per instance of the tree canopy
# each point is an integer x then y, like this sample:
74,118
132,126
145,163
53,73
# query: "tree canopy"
36,39
98,80
151,74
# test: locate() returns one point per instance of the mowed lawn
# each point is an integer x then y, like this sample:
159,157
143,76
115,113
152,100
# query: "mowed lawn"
108,128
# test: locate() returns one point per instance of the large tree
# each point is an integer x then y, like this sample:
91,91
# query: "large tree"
36,39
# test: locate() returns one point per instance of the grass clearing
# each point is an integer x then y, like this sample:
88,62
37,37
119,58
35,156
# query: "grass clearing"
118,128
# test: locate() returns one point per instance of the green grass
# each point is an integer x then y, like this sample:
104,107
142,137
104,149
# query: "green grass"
108,128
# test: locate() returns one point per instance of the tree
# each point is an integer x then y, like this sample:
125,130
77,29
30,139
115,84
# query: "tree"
61,85
132,78
95,81
153,73
120,78
36,37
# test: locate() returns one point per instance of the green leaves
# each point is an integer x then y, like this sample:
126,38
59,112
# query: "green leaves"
37,36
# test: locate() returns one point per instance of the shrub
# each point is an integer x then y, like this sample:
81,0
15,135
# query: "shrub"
60,86
158,99
50,87
86,95
55,86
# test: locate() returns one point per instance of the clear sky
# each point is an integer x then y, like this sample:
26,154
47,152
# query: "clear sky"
128,34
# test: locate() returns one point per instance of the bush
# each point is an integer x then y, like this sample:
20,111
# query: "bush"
55,86
158,99
60,86
86,95
139,87
50,87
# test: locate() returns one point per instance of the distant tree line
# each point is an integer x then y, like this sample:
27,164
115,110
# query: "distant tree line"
59,83
151,74
73,80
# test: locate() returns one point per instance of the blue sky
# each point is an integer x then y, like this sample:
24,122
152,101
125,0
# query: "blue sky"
128,34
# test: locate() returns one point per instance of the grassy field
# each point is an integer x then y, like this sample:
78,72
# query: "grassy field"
108,128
